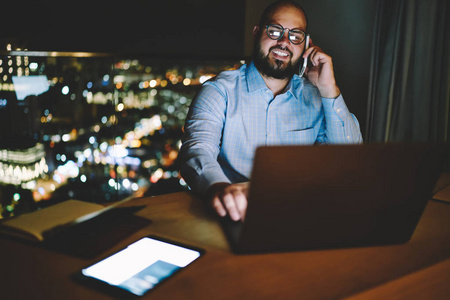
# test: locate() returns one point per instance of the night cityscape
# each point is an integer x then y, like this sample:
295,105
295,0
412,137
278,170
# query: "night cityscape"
92,127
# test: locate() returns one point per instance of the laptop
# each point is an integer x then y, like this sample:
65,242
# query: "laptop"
334,196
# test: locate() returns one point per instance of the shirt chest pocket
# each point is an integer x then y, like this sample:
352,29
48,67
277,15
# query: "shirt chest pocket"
299,137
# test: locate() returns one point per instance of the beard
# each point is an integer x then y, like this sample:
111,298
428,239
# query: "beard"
277,69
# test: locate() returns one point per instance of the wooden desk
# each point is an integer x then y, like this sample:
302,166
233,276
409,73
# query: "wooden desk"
419,269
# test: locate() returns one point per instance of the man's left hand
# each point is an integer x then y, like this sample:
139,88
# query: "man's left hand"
321,73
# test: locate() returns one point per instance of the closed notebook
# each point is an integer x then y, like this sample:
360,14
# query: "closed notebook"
38,225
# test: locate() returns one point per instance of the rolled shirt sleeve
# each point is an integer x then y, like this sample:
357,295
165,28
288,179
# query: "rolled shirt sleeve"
201,142
340,126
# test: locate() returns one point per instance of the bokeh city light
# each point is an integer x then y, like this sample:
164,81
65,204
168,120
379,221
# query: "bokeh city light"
94,128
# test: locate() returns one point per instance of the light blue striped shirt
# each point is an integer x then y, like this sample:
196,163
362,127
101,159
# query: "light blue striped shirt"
236,112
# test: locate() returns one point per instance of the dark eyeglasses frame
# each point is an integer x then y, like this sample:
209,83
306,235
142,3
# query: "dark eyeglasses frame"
282,33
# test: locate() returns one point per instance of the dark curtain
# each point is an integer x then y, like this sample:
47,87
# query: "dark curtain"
410,72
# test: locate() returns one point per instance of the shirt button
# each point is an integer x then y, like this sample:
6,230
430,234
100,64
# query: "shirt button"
338,110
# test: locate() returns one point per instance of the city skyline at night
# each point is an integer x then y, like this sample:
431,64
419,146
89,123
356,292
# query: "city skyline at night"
105,128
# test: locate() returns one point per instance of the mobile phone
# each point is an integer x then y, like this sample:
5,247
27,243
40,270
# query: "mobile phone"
140,267
305,61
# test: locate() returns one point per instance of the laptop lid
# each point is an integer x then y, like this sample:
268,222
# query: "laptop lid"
309,197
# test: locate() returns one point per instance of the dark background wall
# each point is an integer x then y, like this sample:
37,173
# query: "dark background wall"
165,28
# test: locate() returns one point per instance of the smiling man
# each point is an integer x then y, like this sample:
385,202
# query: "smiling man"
262,103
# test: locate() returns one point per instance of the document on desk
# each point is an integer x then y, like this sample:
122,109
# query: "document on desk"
37,226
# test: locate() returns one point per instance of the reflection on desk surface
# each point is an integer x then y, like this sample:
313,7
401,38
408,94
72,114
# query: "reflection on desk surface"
322,274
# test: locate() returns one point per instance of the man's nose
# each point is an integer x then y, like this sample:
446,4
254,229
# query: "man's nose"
284,40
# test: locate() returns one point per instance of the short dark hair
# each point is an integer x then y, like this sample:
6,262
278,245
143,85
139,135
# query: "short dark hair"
271,8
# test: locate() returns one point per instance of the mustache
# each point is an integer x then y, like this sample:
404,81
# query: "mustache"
281,48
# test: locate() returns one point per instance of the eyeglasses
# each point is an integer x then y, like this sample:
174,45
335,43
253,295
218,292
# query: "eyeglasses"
276,32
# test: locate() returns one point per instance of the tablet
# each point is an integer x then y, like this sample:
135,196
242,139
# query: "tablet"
141,266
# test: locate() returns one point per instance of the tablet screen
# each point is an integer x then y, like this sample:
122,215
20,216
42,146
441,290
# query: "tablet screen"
142,265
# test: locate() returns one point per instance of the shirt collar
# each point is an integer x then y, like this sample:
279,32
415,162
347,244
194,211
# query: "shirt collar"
295,86
256,82
254,79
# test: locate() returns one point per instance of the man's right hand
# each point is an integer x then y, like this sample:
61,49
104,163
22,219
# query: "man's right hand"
229,199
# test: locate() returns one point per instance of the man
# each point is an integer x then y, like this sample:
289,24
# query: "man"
263,103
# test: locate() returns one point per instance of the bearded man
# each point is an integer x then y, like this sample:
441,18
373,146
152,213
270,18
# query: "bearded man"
263,103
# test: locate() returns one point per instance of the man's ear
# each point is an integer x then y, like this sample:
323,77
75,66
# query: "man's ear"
255,31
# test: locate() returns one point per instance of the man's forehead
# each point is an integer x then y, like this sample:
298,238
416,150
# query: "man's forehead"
289,17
